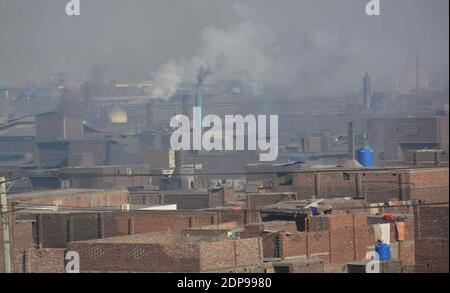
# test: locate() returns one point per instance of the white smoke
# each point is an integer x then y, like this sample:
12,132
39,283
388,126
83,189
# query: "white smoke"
242,50
166,81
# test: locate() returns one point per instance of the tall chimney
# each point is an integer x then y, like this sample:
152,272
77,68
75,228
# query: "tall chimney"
367,92
351,162
178,182
151,116
351,141
186,105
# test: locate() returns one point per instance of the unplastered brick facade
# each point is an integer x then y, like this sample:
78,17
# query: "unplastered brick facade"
20,236
374,185
351,237
335,238
431,239
55,230
429,184
38,260
183,200
75,198
168,252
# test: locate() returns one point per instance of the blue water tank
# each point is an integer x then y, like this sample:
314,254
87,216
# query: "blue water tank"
383,250
366,157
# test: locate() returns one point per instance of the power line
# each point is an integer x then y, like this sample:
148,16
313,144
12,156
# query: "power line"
47,173
108,209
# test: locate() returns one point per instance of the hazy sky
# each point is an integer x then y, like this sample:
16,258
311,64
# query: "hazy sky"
321,46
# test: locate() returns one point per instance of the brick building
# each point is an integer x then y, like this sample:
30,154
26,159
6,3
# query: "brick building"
390,137
72,198
56,229
329,241
256,200
431,239
184,199
170,252
373,185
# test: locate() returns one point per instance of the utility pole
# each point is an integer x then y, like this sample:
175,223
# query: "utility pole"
5,226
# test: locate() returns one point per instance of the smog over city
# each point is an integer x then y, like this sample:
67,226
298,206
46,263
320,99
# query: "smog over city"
224,136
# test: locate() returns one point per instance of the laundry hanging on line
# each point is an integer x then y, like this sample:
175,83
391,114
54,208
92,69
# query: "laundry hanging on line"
382,233
400,231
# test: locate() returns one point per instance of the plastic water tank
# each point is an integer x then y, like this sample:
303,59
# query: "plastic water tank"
383,250
366,157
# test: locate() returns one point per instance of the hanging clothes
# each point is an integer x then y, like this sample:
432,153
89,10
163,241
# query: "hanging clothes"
400,231
382,233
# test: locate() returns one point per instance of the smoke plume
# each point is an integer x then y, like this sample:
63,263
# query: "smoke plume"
244,49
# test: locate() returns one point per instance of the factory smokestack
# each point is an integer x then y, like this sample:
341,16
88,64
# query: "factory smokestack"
351,161
151,116
201,76
367,92
351,141
186,106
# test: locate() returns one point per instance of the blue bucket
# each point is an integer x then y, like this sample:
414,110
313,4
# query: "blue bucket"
383,250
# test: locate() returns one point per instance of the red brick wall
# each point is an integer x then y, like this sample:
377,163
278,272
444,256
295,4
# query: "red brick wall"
406,252
316,223
311,245
270,241
376,185
334,184
429,184
307,267
381,186
336,238
294,244
22,235
77,199
55,230
363,236
133,257
431,239
341,238
184,201
349,235
303,184
168,257
339,183
38,260
226,216
319,245
230,254
204,232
